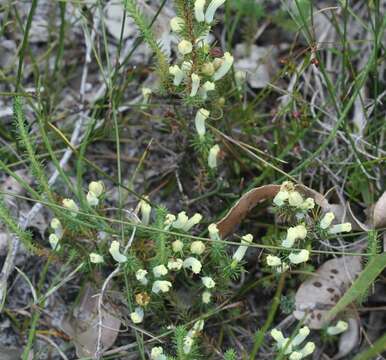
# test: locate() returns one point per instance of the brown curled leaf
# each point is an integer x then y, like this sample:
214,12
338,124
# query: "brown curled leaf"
243,206
257,195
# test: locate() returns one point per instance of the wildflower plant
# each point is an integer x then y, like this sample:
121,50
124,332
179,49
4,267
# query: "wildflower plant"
293,347
305,228
173,258
199,69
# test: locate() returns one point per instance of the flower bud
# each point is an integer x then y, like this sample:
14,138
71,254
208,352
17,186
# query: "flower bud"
206,296
161,286
186,66
96,258
194,220
208,69
224,68
199,10
280,198
335,229
195,84
177,246
160,270
115,253
140,275
308,349
96,187
197,247
214,233
54,242
185,47
175,264
212,157
145,211
137,316
199,121
241,250
181,221
295,199
177,73
205,88
193,264
273,260
208,282
157,353
301,336
212,8
308,204
340,327
300,257
71,205
177,24
327,220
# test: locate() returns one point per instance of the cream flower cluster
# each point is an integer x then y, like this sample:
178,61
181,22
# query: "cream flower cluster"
340,327
292,346
145,208
116,253
158,286
199,78
55,237
241,250
95,191
192,263
157,353
199,10
289,196
184,223
326,224
71,205
189,338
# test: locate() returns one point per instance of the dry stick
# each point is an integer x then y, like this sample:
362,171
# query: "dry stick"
99,350
75,139
54,345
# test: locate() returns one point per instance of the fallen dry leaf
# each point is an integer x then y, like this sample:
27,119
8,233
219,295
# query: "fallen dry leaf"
378,216
82,325
243,206
318,294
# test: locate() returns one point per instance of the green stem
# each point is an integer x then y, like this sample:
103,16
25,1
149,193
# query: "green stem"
259,337
25,42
